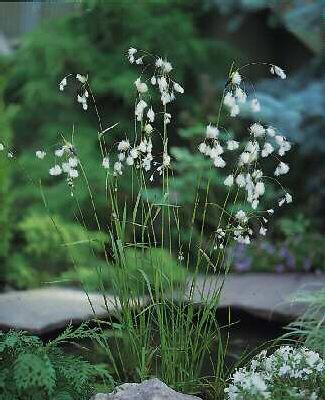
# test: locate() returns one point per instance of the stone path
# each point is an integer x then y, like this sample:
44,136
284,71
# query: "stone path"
263,295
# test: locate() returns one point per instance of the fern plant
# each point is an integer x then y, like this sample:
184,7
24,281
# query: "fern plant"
30,369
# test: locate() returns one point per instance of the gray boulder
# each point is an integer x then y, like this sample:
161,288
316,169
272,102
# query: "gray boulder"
152,389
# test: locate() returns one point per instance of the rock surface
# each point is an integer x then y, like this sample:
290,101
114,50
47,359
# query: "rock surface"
152,389
43,310
263,295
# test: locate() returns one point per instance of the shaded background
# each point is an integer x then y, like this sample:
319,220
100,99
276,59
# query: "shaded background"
42,42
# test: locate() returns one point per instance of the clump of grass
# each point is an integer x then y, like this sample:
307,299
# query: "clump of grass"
310,328
169,329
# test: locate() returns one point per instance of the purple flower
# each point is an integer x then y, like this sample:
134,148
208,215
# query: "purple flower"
279,268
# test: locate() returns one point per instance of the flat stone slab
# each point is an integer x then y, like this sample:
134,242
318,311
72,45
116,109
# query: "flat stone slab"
263,295
151,389
43,310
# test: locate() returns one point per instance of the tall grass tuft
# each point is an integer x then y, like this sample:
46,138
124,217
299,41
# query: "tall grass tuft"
161,324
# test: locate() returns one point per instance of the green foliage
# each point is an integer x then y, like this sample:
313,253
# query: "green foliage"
49,247
92,42
138,270
310,328
5,197
298,247
32,370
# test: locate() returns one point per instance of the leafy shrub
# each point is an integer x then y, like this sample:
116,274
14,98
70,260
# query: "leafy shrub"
32,370
50,247
288,373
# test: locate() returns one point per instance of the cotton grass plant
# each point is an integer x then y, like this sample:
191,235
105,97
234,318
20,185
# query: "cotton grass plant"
162,334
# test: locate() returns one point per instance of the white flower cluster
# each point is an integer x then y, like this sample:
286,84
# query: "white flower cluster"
288,370
69,165
83,96
246,159
140,154
236,96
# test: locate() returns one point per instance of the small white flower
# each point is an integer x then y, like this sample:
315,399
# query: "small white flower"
259,189
121,156
234,111
178,88
284,147
153,80
139,61
257,130
255,105
275,70
124,145
263,230
2,147
236,78
229,100
148,129
163,84
245,158
288,198
151,115
165,98
241,216
279,139
240,95
59,152
167,67
166,160
270,211
159,62
216,151
40,154
63,84
281,169
202,148
270,131
257,174
81,78
219,162
143,146
73,162
73,173
212,132
131,53
167,118
141,86
10,155
232,145
56,170
240,180
229,181
267,150
134,153
139,109
130,160
118,168
105,162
